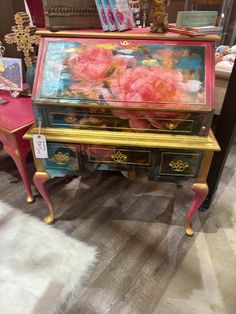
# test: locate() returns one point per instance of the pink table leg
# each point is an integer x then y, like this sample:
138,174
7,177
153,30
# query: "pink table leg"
19,158
201,191
40,179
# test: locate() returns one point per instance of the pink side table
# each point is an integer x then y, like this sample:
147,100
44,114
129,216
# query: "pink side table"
16,117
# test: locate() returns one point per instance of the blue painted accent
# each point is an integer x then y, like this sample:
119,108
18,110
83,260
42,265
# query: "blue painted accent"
60,169
54,78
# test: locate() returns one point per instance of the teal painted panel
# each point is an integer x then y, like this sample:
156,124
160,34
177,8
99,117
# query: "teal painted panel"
62,159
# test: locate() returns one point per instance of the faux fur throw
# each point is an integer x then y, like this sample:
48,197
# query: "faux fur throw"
39,265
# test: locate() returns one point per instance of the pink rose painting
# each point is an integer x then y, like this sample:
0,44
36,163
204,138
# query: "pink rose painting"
122,81
145,85
90,63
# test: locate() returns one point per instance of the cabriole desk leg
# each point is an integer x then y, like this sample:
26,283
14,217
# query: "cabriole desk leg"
19,159
201,190
40,179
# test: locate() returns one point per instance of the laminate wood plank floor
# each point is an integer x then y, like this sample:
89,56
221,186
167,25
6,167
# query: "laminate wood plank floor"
138,228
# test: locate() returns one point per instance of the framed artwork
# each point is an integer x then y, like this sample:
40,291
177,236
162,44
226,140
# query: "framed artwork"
11,74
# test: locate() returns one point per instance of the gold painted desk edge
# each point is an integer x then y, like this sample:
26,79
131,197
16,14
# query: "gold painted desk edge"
126,35
208,143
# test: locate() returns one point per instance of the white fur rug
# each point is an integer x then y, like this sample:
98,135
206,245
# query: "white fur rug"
40,266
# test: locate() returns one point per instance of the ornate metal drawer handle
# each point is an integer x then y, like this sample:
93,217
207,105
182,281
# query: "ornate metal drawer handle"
171,126
119,157
178,165
60,158
70,119
125,43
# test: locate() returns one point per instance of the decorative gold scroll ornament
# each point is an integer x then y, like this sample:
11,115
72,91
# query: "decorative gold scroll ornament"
178,165
24,37
60,158
119,157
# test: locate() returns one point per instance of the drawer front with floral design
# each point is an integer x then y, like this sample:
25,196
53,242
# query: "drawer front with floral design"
151,121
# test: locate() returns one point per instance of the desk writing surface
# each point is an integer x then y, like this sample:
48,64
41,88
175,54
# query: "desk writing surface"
16,113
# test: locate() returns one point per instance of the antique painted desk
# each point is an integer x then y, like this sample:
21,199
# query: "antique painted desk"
16,117
133,101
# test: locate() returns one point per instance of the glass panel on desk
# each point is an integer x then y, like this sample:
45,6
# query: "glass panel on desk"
140,74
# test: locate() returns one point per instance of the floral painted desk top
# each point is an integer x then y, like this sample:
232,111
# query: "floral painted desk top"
139,73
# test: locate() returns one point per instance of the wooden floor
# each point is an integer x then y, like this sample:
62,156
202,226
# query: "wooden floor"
137,230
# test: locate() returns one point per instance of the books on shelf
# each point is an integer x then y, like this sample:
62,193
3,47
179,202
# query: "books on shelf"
109,15
123,14
102,15
196,18
194,31
115,15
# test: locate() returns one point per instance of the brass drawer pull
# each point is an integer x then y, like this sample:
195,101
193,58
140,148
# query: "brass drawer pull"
60,158
70,119
119,157
125,43
178,165
171,126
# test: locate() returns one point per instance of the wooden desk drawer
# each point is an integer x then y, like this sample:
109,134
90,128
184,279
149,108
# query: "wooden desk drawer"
119,155
150,121
179,163
61,158
65,159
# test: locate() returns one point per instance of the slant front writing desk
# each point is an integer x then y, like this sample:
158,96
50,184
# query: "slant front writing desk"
16,117
132,101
